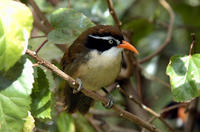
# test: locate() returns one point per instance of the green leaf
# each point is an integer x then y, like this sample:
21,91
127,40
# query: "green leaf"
41,96
15,90
184,73
68,25
65,123
29,124
15,27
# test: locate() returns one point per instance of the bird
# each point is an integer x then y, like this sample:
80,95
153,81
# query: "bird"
94,59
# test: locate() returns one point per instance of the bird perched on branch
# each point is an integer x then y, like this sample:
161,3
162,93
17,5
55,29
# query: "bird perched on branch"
94,59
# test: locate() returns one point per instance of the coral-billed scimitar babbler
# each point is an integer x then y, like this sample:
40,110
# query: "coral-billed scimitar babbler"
95,59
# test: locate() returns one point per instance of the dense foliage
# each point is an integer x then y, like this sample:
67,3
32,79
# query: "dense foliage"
29,92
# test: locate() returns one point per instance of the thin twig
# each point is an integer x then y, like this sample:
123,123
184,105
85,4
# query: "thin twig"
173,107
194,103
128,71
41,16
38,24
93,95
39,13
166,110
68,4
114,15
42,36
125,73
115,128
191,116
91,121
149,110
152,77
192,44
139,87
38,49
169,33
102,113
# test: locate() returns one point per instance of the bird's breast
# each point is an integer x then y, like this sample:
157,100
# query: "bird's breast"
101,69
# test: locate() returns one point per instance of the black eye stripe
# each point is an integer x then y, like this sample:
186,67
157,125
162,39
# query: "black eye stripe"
98,44
101,43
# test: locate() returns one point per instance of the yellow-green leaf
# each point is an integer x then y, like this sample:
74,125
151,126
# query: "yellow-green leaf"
15,27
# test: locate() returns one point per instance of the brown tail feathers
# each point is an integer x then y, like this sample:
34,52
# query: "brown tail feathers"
77,101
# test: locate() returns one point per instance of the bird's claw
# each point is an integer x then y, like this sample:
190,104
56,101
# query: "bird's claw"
80,86
110,101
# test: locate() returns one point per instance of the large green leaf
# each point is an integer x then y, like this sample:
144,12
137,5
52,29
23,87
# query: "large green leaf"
15,27
68,24
15,90
41,96
184,73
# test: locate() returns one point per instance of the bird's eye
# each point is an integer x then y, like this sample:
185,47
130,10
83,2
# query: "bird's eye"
110,41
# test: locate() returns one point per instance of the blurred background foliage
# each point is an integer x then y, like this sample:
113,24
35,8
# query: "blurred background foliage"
146,22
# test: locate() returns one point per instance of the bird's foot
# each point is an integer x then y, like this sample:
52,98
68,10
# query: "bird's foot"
79,87
110,101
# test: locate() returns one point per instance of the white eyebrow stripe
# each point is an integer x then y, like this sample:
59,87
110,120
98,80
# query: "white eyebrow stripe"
105,38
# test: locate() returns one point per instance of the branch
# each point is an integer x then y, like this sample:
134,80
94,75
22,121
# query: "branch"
114,15
91,121
191,116
125,73
128,71
139,83
149,110
41,16
68,4
144,107
192,44
169,32
93,95
38,24
166,110
43,43
34,37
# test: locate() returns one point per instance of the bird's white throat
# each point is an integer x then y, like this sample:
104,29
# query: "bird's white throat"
112,53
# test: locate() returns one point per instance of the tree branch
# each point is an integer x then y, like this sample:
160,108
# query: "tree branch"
38,24
114,15
144,107
169,32
40,15
68,4
191,116
91,121
93,95
166,110
192,44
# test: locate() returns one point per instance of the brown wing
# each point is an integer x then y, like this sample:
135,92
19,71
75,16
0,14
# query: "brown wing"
73,57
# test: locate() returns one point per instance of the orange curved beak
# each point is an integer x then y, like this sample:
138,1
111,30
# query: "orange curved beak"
127,45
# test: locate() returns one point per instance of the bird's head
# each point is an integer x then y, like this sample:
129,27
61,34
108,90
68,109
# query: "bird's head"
103,38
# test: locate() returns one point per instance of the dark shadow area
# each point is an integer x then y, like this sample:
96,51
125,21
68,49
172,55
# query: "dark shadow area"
8,77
